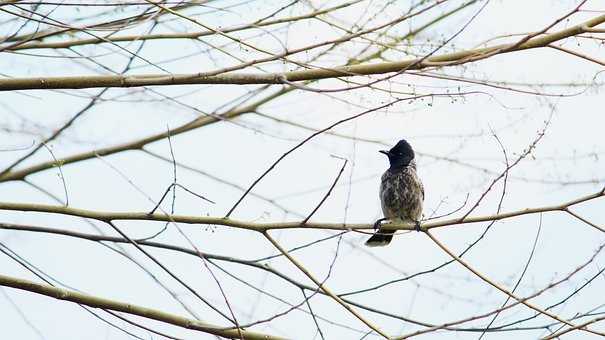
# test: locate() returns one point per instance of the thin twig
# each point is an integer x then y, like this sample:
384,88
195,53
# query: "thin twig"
344,164
322,287
321,334
498,287
531,256
60,172
304,141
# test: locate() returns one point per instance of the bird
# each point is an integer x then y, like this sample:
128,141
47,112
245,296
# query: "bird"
401,193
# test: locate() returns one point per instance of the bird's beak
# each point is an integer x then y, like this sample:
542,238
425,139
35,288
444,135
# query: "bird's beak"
386,152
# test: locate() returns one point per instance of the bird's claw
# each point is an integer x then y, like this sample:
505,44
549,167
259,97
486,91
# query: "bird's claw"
378,223
417,226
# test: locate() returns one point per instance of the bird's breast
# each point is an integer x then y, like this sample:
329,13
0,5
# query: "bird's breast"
401,194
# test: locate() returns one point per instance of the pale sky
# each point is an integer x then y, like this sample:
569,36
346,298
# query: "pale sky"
567,163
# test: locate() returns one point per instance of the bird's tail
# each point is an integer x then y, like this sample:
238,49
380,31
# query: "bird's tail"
380,239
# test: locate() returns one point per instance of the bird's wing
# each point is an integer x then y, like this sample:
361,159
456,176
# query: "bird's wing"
421,188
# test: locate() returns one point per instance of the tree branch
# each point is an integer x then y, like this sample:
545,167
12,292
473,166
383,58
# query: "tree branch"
455,58
107,216
97,302
140,143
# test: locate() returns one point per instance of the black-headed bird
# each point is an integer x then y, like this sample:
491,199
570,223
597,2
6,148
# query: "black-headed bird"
401,193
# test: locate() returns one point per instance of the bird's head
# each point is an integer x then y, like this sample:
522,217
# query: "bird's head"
400,155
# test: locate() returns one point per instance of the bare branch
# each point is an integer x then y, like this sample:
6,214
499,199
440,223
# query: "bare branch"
456,58
97,302
500,288
323,287
344,164
261,227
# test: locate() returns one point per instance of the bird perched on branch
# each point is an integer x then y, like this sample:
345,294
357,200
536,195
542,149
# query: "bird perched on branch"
401,193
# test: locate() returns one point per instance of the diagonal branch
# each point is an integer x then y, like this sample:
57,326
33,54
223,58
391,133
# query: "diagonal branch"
500,288
580,326
97,302
344,164
140,143
322,287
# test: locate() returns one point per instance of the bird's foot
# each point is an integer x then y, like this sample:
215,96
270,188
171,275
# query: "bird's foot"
417,226
378,223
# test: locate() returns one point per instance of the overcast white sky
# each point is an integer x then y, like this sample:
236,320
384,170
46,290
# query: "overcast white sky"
567,163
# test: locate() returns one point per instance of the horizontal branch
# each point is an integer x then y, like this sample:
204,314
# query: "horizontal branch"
455,58
38,44
97,302
262,227
42,34
251,263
